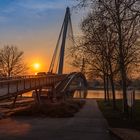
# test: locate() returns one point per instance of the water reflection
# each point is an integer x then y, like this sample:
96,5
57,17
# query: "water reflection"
27,94
99,94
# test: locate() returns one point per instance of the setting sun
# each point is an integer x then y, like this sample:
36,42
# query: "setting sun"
36,66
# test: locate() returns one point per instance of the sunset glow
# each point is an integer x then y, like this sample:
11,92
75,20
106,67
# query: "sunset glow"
33,26
36,66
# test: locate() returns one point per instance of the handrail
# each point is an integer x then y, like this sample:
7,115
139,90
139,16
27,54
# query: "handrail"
62,87
11,88
79,74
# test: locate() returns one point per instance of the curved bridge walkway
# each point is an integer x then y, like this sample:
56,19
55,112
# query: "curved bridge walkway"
20,85
88,124
58,82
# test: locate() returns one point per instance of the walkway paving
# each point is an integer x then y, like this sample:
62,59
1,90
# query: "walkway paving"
88,124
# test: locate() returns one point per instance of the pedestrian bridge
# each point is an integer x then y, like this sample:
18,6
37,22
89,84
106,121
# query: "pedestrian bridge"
61,84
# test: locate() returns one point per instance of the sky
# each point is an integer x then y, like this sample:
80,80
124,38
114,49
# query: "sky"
33,26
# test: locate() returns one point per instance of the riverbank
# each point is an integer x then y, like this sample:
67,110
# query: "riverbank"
124,128
99,94
115,117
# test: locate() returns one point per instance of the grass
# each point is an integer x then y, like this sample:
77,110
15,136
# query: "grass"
116,118
56,110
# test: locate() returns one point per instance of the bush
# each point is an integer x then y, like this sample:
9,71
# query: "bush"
57,110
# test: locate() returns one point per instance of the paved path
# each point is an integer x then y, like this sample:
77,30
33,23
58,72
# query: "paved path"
88,124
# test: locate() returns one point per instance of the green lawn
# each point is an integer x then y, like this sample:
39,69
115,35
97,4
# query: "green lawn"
116,119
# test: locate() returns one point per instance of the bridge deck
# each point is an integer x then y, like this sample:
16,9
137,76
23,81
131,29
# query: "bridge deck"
10,88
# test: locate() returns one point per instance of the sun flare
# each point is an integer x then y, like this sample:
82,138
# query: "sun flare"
36,66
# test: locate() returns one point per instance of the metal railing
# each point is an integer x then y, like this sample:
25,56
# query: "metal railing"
20,85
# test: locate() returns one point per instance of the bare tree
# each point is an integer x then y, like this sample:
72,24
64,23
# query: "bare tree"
95,65
11,61
123,17
125,22
98,47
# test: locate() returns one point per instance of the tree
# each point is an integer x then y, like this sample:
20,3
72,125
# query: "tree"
97,46
122,18
123,15
11,61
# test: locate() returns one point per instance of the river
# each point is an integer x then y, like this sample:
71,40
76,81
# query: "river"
98,94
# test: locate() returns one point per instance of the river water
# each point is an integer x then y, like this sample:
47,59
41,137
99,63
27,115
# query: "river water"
98,94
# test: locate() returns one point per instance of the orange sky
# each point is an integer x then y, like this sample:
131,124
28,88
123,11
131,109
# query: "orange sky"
33,26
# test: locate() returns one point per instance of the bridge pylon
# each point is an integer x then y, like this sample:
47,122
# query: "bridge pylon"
62,41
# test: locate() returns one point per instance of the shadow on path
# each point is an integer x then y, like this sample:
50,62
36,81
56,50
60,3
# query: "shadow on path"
88,124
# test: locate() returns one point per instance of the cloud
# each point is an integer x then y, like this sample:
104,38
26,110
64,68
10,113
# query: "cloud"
32,8
41,4
24,15
28,8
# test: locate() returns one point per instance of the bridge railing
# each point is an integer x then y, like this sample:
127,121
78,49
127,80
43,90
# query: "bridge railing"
20,85
16,77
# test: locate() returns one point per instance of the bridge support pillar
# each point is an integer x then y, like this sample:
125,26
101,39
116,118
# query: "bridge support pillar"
37,96
54,99
14,102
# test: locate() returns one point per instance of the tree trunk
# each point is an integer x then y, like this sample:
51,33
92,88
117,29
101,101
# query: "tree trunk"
113,91
9,73
125,107
107,89
122,64
112,84
104,79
